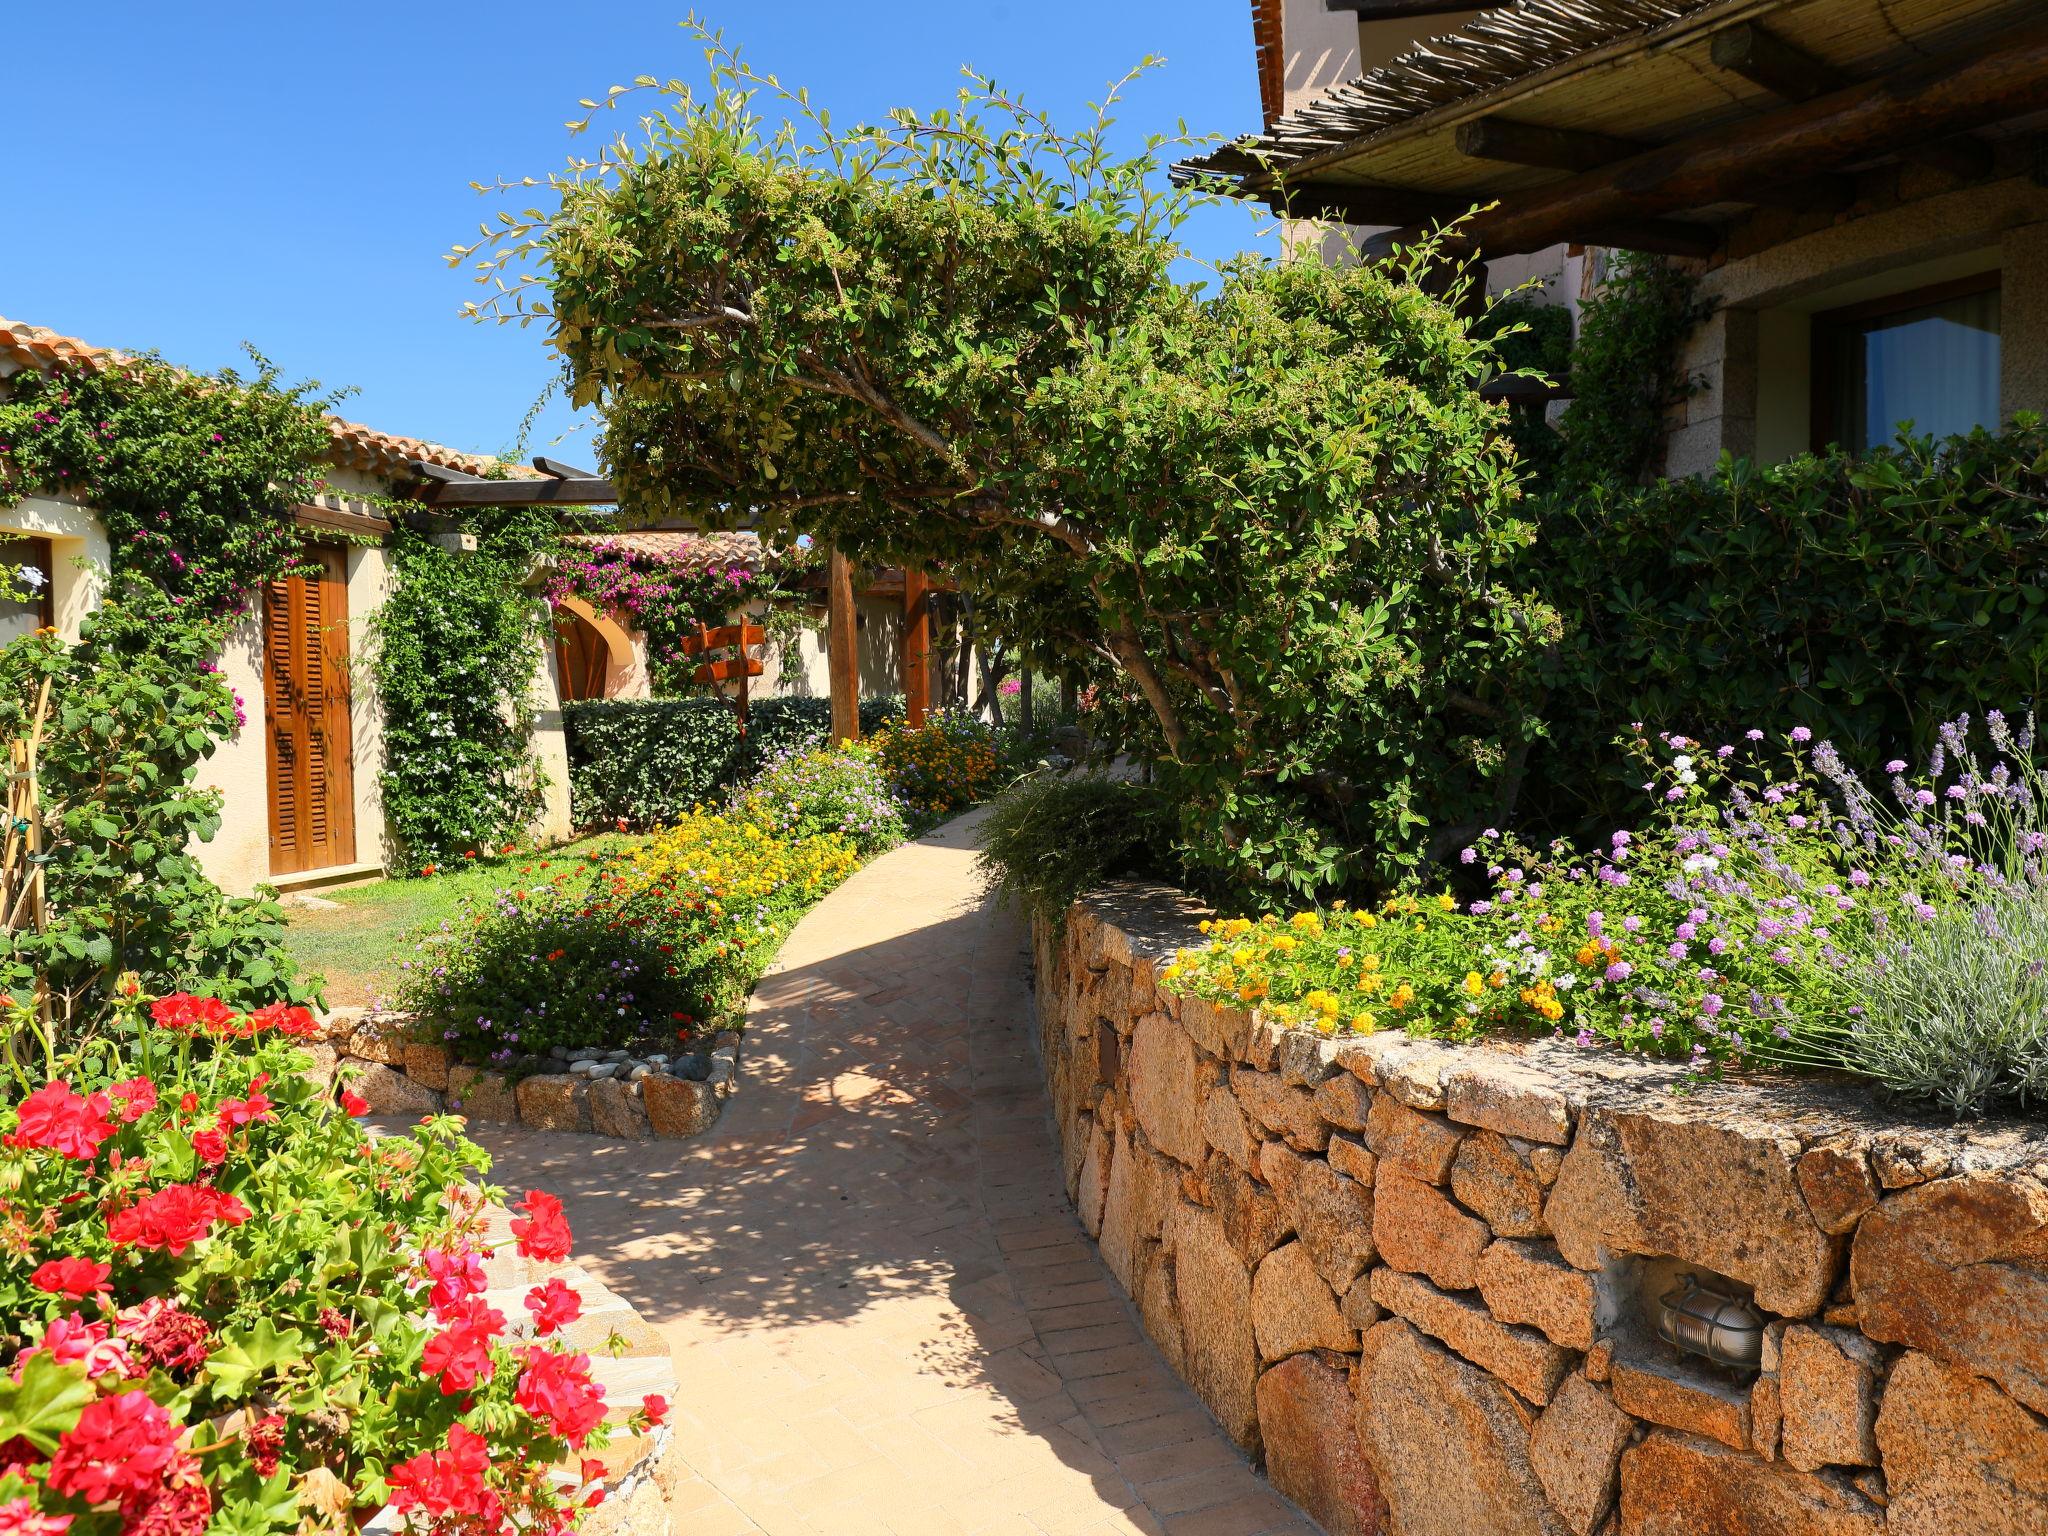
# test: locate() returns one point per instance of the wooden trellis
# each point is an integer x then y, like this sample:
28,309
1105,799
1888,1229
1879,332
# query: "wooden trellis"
732,669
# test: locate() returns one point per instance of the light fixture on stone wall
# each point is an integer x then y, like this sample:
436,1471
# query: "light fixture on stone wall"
1701,1320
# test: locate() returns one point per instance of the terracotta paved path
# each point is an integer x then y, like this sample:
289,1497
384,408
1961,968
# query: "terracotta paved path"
883,1315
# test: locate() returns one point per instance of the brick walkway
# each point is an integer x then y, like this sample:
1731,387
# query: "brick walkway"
884,1317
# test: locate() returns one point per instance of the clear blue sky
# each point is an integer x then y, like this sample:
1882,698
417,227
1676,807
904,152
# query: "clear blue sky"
188,177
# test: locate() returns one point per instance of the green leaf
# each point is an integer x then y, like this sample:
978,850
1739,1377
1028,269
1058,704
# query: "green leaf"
242,1357
44,1403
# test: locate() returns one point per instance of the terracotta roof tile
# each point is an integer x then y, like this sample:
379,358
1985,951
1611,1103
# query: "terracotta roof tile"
355,445
692,547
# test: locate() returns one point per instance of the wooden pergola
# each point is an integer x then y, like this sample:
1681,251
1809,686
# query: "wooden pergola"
553,483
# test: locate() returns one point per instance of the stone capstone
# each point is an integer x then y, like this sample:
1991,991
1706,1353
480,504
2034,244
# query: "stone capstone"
1677,1485
1495,1177
1959,1455
1448,1444
1959,1268
1575,1451
1313,1453
1168,1079
1839,1187
1527,1283
1720,1193
1418,1229
1214,1292
390,1092
1521,1357
1827,1398
1503,1095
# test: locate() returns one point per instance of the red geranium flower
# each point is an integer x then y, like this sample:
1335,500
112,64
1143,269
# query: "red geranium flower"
558,1388
448,1482
19,1517
264,1441
553,1306
136,1096
457,1276
654,1407
181,1010
75,1278
543,1232
286,1019
166,1335
75,1340
175,1217
119,1449
180,1506
211,1145
460,1354
354,1103
72,1124
240,1112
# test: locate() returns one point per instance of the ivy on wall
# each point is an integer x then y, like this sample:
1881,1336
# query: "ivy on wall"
457,643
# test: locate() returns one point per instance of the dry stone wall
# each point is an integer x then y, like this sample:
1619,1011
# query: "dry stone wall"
1423,1282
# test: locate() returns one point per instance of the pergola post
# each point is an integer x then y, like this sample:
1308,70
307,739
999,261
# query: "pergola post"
842,649
917,645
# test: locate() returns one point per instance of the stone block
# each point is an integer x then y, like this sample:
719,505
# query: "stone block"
1224,1128
1091,1182
1334,1216
1525,1282
379,1041
1959,1269
1676,1485
1765,1415
1419,1145
677,1107
1358,1307
1216,1028
1293,1309
1839,1187
617,1111
1827,1390
1140,1197
1575,1451
1521,1357
1497,1178
1313,1455
1712,1190
1343,1101
1168,1079
1701,1400
1959,1455
391,1092
1448,1444
426,1063
1281,1109
1213,1289
487,1097
1352,1159
1280,1166
1158,1306
1416,1228
556,1102
322,1059
1904,1159
1500,1094
1410,1069
1255,1220
1305,1059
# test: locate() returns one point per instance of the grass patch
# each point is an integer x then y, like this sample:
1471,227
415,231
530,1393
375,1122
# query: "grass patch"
357,943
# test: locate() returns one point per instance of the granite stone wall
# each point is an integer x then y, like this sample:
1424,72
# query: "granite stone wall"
1422,1282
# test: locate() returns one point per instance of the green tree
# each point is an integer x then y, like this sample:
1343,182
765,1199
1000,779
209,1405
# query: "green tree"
1273,512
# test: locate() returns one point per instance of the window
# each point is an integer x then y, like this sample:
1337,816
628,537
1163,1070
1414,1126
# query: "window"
37,606
1929,357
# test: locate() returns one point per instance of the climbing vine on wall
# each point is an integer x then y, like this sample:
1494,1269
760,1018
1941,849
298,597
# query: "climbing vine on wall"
457,643
194,476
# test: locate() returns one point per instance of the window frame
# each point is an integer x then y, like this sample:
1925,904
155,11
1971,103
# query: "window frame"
1830,326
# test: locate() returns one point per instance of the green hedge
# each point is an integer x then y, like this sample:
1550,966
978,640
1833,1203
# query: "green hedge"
1867,598
645,761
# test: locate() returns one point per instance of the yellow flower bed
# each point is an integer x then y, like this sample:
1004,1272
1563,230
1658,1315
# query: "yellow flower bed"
943,766
725,859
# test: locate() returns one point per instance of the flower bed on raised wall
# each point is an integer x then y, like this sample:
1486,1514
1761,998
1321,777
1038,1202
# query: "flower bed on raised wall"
1431,1283
226,1307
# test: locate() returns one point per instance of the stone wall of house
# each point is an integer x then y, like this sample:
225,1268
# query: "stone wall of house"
1421,1281
629,1096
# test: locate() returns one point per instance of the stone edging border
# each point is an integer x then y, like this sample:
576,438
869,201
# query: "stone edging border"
594,1092
1425,1283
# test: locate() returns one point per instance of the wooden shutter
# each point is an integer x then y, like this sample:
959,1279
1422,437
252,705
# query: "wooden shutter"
309,744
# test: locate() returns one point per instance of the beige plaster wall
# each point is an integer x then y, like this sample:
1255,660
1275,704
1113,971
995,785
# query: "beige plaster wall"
78,548
550,747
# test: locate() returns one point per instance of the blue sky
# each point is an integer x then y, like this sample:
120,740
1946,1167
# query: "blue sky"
190,177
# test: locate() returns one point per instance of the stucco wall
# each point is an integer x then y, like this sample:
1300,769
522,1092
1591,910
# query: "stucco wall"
1420,1281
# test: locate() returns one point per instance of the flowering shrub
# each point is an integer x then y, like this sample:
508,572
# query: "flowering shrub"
227,1308
1773,911
841,790
942,767
655,941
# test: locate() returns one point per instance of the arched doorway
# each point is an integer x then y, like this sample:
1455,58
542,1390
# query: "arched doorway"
591,651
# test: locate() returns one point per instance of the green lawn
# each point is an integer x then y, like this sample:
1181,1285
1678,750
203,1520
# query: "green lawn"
358,943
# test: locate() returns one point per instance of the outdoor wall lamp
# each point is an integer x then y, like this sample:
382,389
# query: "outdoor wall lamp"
1702,1321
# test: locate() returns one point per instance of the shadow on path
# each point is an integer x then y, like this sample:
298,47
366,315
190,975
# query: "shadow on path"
883,1313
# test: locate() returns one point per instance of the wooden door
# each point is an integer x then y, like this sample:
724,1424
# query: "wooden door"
309,746
580,657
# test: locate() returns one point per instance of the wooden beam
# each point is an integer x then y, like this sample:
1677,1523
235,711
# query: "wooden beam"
917,646
2003,76
1392,10
441,474
1557,149
842,649
520,493
1788,71
1520,389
